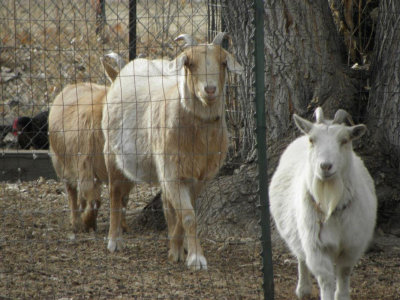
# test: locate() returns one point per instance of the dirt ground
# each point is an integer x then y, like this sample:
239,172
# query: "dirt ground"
41,259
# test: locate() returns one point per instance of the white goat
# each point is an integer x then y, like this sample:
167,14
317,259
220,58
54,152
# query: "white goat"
324,205
164,122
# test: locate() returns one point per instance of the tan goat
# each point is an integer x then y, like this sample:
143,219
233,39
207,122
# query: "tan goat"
164,121
76,148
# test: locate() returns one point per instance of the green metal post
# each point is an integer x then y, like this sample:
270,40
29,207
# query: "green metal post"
132,29
268,280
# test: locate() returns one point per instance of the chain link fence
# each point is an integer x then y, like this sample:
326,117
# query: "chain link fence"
49,44
46,45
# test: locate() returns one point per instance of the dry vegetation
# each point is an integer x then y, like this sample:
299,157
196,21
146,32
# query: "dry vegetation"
41,259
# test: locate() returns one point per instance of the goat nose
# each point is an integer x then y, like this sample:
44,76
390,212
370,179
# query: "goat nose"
326,166
210,89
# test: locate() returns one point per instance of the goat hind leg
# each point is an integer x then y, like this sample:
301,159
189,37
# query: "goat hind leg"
115,232
91,194
119,189
75,215
124,225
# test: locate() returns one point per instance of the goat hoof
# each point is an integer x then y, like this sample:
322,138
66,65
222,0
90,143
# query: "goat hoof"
77,226
90,224
196,262
175,255
115,245
124,226
342,296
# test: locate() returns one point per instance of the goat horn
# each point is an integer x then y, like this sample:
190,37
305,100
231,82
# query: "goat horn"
190,41
319,115
219,38
341,116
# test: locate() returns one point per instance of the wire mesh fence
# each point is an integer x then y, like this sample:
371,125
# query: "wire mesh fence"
48,45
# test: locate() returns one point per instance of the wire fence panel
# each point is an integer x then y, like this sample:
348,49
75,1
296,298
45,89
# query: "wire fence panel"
48,248
131,123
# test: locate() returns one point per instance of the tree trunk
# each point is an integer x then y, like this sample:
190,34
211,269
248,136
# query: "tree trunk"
308,65
305,68
305,63
237,16
384,108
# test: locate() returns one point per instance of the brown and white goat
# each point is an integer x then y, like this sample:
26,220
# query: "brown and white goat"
164,122
76,148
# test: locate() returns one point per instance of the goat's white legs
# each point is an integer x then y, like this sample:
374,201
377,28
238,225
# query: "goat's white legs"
322,268
326,286
304,285
343,283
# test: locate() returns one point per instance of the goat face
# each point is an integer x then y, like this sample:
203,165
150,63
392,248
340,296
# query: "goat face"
330,146
204,68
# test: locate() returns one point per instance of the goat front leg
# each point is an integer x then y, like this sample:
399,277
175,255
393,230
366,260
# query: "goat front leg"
343,282
178,194
304,285
322,268
175,232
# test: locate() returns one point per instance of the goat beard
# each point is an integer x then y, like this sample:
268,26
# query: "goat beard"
327,194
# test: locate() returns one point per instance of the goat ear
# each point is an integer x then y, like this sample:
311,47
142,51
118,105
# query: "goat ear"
357,131
178,63
110,71
233,65
304,125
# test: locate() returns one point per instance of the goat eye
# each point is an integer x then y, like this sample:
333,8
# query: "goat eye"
190,65
344,142
311,140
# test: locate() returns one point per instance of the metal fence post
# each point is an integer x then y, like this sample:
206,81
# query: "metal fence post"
132,29
268,281
100,6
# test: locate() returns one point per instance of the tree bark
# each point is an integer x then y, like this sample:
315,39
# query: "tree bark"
305,63
237,16
384,109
